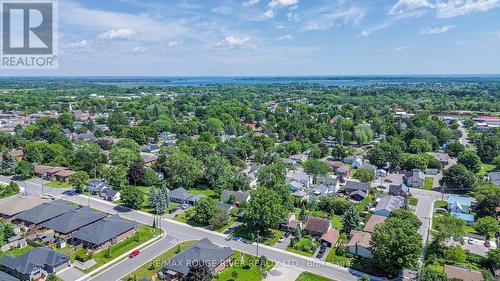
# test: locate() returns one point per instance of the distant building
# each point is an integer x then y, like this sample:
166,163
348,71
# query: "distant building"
388,204
462,273
414,178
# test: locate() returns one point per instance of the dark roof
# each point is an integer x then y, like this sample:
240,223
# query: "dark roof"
74,220
390,203
180,193
96,185
320,225
46,211
393,188
7,277
203,251
240,196
356,185
104,230
225,206
37,257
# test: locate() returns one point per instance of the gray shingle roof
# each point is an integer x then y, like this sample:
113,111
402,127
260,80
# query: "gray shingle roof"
355,185
203,251
73,220
104,230
240,196
180,193
37,257
390,203
46,211
7,277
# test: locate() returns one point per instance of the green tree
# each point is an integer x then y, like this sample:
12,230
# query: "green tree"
352,220
181,169
487,226
116,176
220,219
458,178
454,149
136,173
398,243
264,210
204,210
132,197
215,126
315,168
8,164
79,181
419,146
488,145
25,170
363,134
448,227
415,161
364,175
455,254
199,271
406,215
488,198
339,152
470,160
89,158
158,200
364,278
123,156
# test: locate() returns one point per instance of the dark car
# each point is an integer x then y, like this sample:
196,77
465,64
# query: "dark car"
319,255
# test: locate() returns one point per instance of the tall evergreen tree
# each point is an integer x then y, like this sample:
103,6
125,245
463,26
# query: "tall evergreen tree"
352,220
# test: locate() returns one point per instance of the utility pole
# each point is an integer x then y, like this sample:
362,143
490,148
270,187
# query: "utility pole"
25,189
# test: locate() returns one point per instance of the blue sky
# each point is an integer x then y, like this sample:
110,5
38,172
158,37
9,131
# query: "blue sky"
277,37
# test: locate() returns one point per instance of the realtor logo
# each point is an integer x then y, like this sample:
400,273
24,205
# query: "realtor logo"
29,34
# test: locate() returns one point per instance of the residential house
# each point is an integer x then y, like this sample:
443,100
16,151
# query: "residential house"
292,163
372,222
204,251
69,222
325,186
149,158
13,207
358,195
343,171
150,147
166,136
352,186
459,207
110,194
494,177
36,264
299,158
291,223
334,165
462,273
388,204
14,242
225,206
96,186
236,197
104,233
47,172
44,212
399,190
84,136
357,163
304,179
295,186
351,159
322,228
17,154
444,158
380,173
64,175
414,178
369,168
182,196
359,244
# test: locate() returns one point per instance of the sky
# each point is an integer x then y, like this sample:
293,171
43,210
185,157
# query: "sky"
276,37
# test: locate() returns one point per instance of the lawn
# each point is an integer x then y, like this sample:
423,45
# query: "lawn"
429,181
142,235
413,201
308,276
363,203
150,210
335,258
248,233
440,204
485,168
207,192
232,220
16,252
337,222
305,246
187,217
244,268
150,268
58,184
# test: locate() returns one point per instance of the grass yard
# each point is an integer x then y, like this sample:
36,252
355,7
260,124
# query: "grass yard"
142,235
16,252
308,276
207,192
187,217
305,246
440,204
485,168
363,203
58,184
248,233
150,210
335,258
150,268
244,268
337,222
413,201
429,181
232,220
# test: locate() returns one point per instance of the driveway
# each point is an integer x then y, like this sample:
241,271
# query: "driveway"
283,245
475,246
70,274
282,272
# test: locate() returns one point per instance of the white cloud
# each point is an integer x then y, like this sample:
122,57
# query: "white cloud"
223,10
234,42
269,14
174,43
80,44
329,16
437,29
400,48
249,3
285,37
282,3
125,33
138,50
445,9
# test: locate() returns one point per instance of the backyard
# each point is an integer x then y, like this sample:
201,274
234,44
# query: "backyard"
244,267
16,252
150,268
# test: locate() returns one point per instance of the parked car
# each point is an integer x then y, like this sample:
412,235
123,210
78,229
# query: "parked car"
185,206
487,244
134,253
173,210
470,240
281,240
319,255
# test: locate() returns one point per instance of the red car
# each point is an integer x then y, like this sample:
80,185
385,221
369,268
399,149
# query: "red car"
134,253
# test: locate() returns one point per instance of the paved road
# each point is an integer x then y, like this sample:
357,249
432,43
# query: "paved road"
464,138
176,231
